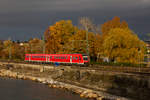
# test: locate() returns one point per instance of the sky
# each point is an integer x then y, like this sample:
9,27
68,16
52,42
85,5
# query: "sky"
25,19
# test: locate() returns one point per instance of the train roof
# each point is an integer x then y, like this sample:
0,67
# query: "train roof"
53,54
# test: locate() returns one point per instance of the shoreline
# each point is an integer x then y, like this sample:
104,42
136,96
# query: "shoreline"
83,92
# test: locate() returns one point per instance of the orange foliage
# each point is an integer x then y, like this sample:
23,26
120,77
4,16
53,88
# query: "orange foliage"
57,36
114,23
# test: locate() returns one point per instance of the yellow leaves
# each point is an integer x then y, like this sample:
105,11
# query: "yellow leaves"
34,46
16,50
58,35
122,45
7,43
114,23
117,41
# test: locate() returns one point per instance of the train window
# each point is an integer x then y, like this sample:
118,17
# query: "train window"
73,58
50,57
85,58
79,58
76,58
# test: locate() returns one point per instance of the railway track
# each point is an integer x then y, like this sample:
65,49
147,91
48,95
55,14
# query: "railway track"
133,70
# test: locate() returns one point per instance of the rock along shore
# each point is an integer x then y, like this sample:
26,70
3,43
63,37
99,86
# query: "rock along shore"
83,92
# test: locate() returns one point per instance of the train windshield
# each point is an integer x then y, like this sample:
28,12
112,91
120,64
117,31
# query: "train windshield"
85,58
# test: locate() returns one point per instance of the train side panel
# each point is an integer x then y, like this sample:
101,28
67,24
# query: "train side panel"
60,58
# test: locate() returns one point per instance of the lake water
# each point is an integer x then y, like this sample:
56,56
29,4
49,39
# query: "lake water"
12,89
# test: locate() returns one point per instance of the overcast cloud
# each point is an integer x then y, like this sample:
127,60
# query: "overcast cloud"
22,19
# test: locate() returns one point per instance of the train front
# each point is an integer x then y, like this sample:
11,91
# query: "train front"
86,59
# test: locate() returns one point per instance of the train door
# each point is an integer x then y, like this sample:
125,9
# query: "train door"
50,58
47,58
70,59
79,59
29,58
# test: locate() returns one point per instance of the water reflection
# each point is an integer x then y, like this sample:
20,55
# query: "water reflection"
12,89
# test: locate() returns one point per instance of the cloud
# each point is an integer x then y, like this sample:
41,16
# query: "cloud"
68,5
31,16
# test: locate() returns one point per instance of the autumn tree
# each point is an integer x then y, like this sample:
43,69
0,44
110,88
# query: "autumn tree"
34,45
7,44
1,48
58,37
86,23
98,48
114,23
122,45
12,49
17,51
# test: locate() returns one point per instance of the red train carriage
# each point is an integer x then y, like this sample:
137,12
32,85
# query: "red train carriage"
60,58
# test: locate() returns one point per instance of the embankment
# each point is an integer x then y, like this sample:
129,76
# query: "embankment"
95,84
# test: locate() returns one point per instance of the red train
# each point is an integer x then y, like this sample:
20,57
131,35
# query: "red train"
59,58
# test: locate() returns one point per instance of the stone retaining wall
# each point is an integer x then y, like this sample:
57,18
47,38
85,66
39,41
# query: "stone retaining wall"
84,92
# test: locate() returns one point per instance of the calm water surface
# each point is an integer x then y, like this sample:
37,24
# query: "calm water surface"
12,89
